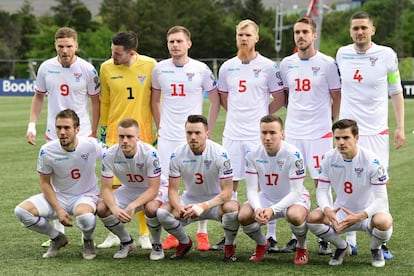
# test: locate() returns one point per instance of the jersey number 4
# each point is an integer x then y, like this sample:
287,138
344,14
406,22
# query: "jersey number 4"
357,76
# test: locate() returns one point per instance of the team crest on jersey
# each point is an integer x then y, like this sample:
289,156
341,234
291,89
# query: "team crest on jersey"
281,163
142,78
257,72
85,156
315,70
190,76
77,76
359,172
207,163
373,60
139,166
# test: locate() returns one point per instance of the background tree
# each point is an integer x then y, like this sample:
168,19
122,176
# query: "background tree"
72,13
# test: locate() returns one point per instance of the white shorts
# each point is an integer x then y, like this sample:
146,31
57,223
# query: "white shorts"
379,144
69,204
363,225
165,149
237,150
124,195
312,151
303,201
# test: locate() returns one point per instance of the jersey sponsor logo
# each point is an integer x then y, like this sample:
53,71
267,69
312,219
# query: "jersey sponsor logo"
142,79
188,161
53,72
61,159
261,161
293,66
120,162
190,76
117,77
315,70
336,166
224,155
168,71
233,69
77,76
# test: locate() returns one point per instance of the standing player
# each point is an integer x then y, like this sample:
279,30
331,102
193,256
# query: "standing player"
274,182
181,81
69,186
246,83
359,181
312,82
369,74
137,167
68,81
206,172
126,93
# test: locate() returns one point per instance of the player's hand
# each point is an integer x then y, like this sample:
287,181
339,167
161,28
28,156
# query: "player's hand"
102,132
123,215
263,215
399,138
64,218
348,221
31,134
331,215
188,212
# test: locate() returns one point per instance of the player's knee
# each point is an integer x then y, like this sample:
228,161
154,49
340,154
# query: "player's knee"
315,216
382,221
25,217
231,206
150,208
86,222
102,210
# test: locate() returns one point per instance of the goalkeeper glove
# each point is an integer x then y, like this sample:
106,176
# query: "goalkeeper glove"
102,132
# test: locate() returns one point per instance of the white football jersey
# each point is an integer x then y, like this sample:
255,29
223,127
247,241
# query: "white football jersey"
275,172
182,89
201,174
132,172
309,82
367,80
249,86
352,180
67,87
72,172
